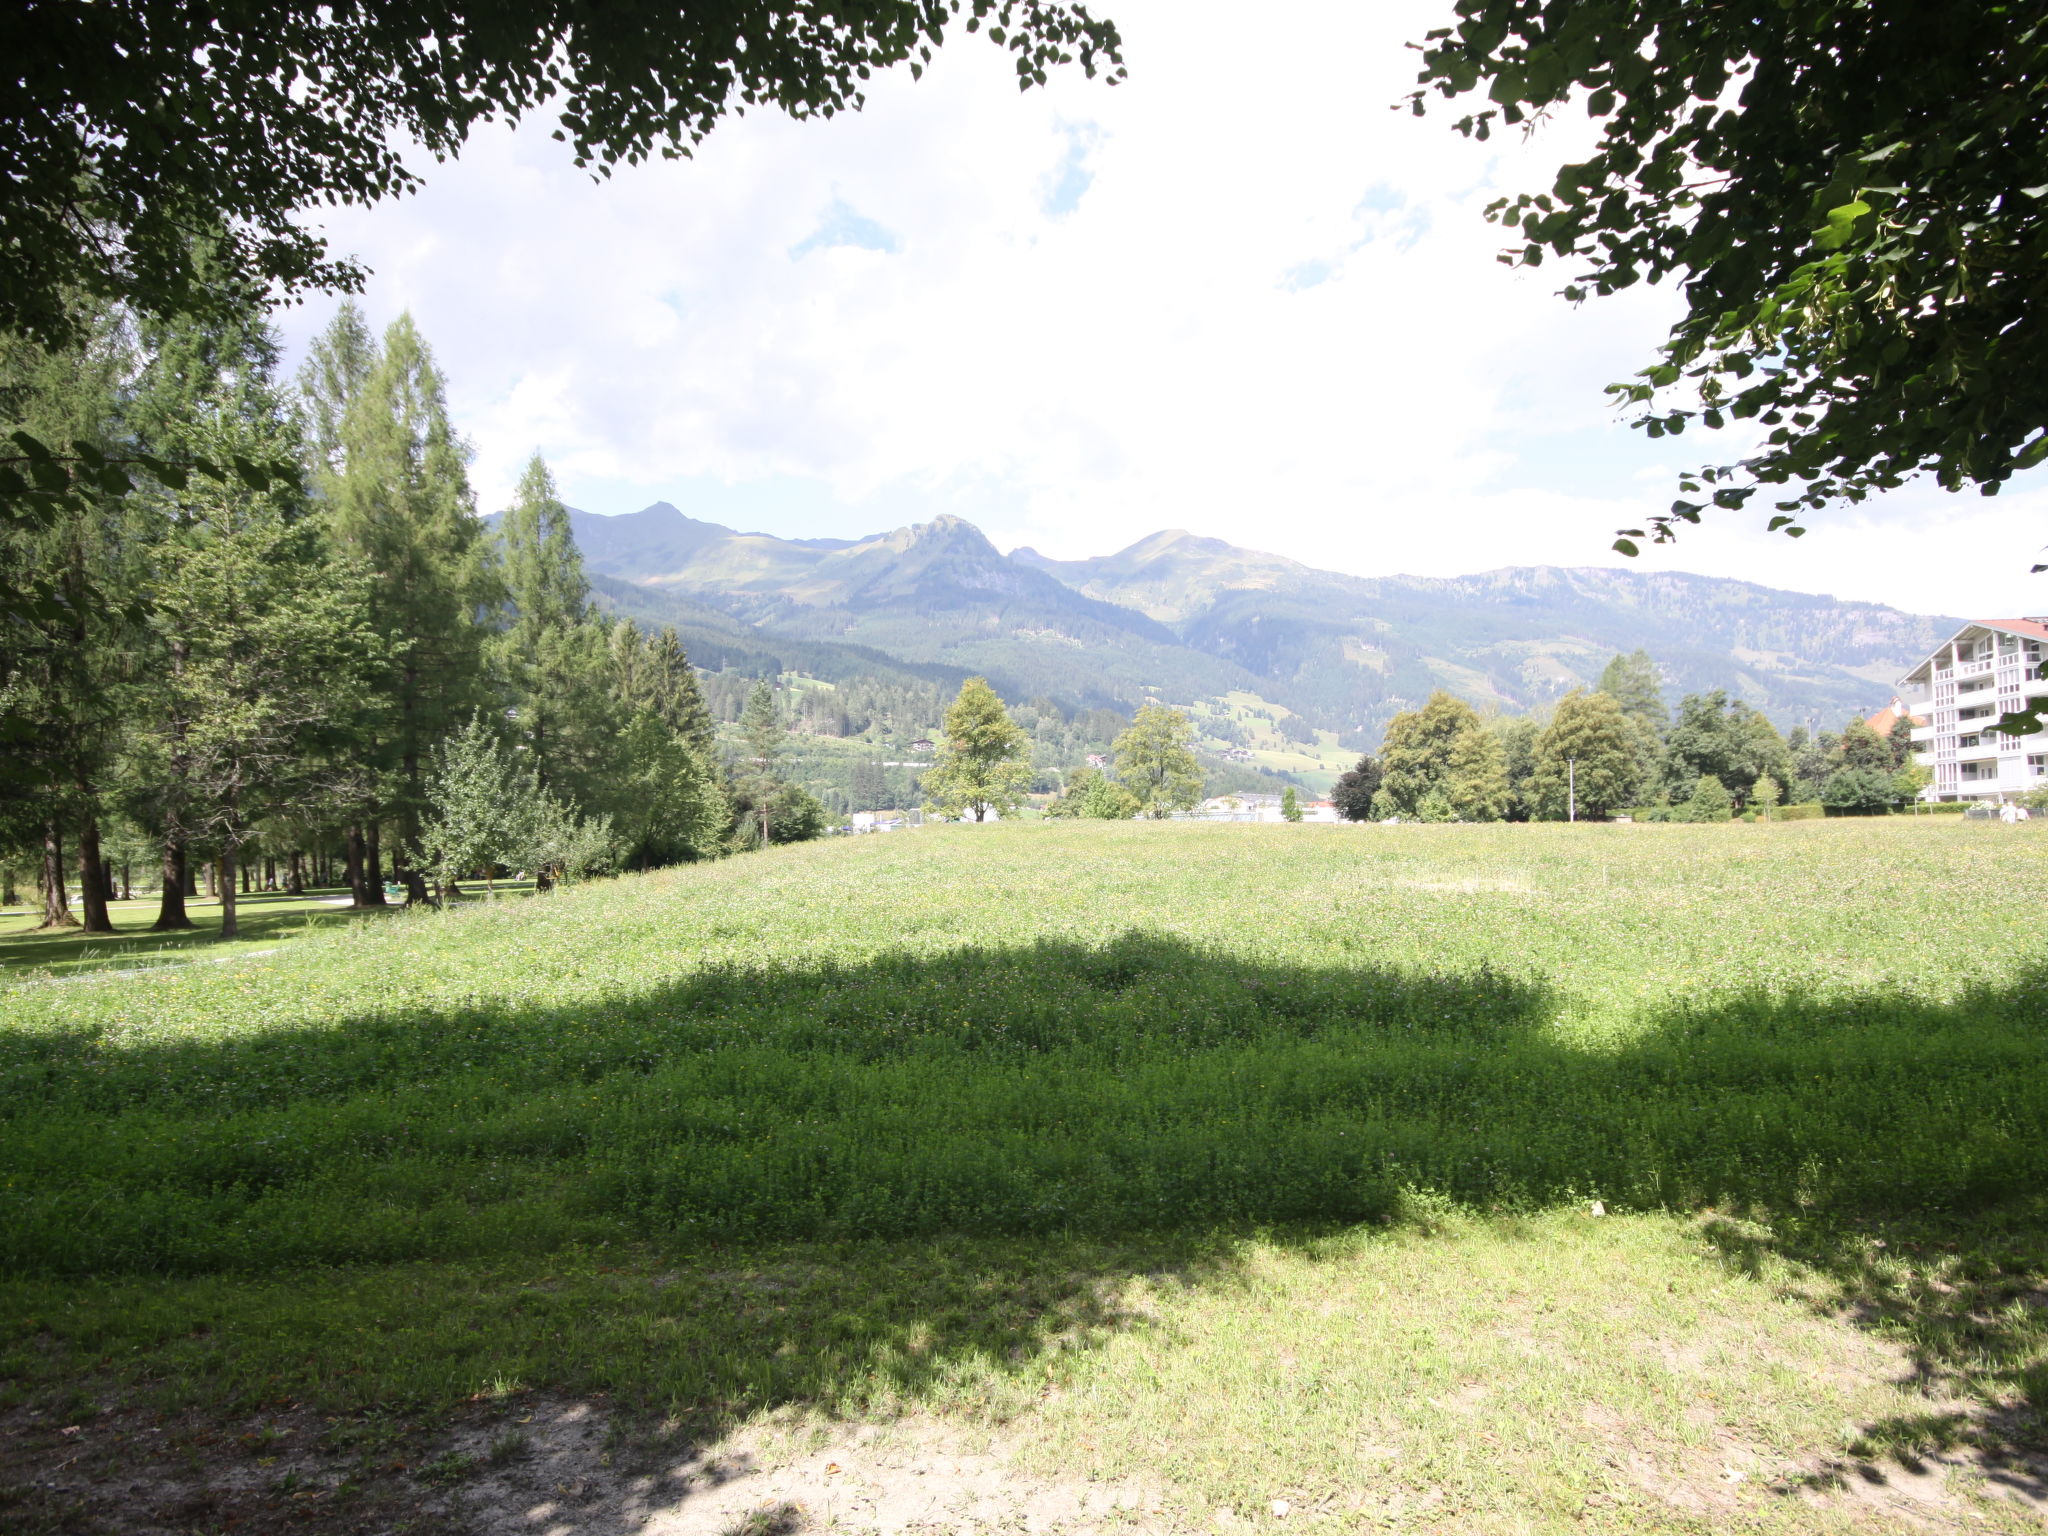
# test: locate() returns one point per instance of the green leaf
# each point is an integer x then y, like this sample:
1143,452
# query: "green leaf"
1627,547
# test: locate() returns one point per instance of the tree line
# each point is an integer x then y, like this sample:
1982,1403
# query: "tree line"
1616,749
322,667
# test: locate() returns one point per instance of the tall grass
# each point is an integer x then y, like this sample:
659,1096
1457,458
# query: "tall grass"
1082,1029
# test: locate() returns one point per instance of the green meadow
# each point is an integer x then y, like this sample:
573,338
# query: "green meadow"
1526,1155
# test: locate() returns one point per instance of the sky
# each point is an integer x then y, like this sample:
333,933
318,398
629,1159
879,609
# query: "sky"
1237,293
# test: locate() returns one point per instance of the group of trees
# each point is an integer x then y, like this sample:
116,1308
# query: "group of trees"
325,658
1617,748
983,764
1155,772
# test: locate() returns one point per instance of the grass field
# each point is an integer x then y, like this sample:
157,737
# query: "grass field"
1166,1176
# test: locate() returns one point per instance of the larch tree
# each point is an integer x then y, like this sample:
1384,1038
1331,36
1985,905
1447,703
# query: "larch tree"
400,502
982,762
64,650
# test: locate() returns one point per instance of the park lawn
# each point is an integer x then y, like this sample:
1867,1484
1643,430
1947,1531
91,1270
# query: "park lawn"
266,919
1498,1178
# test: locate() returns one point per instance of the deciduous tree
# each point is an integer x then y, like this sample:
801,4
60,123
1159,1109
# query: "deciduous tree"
981,763
1155,761
1849,196
1587,756
1443,750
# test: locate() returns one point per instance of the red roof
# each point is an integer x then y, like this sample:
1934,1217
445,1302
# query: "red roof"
1883,721
2035,627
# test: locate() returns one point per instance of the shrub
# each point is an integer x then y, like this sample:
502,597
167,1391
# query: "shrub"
1808,812
1859,792
1710,802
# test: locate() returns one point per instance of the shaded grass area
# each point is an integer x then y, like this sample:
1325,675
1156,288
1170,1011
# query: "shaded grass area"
1140,1083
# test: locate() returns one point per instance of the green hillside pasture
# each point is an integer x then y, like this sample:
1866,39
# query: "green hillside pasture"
1214,1157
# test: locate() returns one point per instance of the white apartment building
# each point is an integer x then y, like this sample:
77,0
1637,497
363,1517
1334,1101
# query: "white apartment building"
1987,668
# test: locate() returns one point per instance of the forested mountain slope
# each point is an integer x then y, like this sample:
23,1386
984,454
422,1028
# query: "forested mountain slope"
1187,617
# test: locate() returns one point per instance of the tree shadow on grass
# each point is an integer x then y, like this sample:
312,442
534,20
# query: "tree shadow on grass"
838,1187
269,915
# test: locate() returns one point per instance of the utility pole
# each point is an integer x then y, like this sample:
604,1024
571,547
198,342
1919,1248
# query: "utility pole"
1572,793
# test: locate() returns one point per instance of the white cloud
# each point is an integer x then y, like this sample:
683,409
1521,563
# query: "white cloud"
1236,294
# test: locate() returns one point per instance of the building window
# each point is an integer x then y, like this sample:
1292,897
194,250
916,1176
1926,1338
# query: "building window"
2037,763
1968,741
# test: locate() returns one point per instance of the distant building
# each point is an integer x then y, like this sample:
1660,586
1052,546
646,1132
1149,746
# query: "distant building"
920,745
1883,721
1098,760
1984,670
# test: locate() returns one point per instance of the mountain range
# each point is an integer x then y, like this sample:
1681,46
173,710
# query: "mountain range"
1185,618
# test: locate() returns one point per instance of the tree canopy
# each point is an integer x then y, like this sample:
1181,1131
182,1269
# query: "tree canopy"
1850,196
982,764
126,126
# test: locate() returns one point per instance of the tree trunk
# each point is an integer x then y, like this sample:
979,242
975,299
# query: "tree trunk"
56,897
364,889
127,887
229,928
373,851
8,894
295,875
242,869
92,869
212,879
170,908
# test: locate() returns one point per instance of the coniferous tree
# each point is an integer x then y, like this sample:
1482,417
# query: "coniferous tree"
274,629
401,503
764,742
61,658
1633,683
558,659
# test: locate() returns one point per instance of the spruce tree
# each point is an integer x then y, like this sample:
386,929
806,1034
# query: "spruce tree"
1632,681
275,629
556,656
764,741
